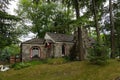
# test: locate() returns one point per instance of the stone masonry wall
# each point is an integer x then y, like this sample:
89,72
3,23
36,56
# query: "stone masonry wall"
26,50
54,51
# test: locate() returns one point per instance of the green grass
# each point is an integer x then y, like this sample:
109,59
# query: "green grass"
78,70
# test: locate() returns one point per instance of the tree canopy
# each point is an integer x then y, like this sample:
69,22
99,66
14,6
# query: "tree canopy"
45,17
8,33
96,19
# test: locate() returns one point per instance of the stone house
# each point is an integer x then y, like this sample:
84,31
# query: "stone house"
53,45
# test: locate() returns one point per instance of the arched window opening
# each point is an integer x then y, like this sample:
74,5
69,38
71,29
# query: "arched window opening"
35,52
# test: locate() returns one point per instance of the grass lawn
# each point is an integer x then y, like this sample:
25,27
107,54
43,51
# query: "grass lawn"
78,70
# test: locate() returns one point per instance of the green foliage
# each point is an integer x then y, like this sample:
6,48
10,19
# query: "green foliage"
117,28
98,54
57,16
21,65
45,17
12,49
9,51
4,56
54,61
8,33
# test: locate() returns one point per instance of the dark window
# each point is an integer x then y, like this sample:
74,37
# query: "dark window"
63,49
47,45
35,48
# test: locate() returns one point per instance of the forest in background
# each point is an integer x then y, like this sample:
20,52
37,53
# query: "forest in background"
99,17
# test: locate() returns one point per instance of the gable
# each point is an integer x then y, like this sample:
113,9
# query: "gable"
47,37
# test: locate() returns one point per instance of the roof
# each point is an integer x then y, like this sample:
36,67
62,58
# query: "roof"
34,41
48,40
57,37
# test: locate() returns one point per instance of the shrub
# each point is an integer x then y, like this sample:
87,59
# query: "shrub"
4,56
21,65
98,54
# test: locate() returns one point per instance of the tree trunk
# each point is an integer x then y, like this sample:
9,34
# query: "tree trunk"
96,20
112,31
79,34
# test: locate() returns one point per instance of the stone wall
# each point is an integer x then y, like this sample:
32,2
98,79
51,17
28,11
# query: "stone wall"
55,50
58,49
26,50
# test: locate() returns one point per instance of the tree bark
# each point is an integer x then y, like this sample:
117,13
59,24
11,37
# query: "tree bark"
96,20
79,34
112,31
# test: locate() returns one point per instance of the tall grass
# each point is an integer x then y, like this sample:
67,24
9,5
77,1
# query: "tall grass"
78,70
54,61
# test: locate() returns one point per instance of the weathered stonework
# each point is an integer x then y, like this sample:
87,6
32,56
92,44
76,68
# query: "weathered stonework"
26,51
51,46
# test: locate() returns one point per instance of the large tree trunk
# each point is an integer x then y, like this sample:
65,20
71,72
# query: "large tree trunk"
96,19
79,34
112,31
